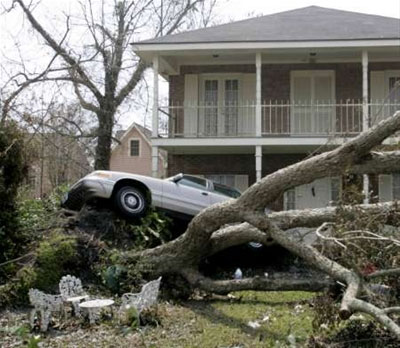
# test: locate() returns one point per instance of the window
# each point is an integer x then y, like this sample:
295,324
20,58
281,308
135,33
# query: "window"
226,191
220,99
394,94
211,107
134,148
193,181
228,180
290,201
336,188
396,186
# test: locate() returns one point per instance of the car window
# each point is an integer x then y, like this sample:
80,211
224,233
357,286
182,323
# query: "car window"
193,181
225,190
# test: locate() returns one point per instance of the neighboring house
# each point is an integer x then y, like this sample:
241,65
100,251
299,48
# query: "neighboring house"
133,153
250,97
53,160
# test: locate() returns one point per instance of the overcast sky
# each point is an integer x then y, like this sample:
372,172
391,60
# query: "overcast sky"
238,9
227,10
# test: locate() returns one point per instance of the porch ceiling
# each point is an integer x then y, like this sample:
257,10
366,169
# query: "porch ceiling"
238,150
170,61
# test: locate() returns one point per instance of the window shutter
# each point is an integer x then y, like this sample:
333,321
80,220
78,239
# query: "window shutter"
247,116
377,95
191,104
385,188
241,182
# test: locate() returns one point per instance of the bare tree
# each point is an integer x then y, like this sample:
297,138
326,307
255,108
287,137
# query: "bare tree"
103,70
244,220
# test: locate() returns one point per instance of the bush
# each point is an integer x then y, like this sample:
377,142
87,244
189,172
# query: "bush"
12,171
56,257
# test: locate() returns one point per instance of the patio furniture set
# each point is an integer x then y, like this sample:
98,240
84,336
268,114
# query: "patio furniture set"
72,294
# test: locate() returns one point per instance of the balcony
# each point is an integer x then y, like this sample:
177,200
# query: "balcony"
278,119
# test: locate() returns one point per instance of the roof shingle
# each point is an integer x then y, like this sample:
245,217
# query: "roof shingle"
311,23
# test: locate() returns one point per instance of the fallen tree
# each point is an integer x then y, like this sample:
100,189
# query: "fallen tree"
243,220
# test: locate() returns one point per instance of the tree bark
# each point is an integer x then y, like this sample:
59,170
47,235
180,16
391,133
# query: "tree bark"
104,138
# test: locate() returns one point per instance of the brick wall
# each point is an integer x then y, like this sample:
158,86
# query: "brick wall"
276,82
213,164
231,164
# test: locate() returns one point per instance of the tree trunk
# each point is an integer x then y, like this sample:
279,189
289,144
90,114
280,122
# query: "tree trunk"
104,139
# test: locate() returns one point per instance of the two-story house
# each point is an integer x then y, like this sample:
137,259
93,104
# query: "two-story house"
250,97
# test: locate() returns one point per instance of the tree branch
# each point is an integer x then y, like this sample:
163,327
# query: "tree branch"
279,283
72,62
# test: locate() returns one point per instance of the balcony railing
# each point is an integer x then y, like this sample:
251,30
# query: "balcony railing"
278,118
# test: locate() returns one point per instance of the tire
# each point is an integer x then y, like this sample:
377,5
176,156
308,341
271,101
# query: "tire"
131,202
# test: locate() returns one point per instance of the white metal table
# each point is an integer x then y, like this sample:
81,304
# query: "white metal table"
94,307
75,300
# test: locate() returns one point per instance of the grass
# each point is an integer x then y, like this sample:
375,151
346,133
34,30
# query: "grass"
207,323
222,323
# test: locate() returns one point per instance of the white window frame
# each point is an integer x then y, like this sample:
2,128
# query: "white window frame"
387,75
340,189
140,147
220,77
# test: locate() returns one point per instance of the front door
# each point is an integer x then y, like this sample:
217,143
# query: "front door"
312,95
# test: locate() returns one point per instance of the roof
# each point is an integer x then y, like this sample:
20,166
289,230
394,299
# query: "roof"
145,132
311,23
120,133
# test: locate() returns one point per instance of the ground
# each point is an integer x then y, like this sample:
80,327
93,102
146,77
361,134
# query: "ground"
250,319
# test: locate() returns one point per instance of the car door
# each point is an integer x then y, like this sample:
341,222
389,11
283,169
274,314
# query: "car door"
189,195
216,196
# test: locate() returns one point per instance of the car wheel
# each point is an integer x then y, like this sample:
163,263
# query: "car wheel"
131,202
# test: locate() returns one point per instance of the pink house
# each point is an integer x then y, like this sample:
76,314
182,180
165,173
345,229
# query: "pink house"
133,153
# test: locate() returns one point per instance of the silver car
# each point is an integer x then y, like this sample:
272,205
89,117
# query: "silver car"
131,194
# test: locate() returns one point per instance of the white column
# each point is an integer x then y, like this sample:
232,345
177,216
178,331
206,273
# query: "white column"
365,115
154,161
155,97
258,162
258,94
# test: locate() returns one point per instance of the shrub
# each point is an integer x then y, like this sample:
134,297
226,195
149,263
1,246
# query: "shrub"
12,171
56,257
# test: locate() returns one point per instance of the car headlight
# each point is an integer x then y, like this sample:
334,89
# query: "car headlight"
100,174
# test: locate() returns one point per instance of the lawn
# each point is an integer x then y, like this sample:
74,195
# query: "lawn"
250,319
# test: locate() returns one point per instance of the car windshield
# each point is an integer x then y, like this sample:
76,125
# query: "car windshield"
226,191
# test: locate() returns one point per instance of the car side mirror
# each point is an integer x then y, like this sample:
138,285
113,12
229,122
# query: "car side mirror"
177,178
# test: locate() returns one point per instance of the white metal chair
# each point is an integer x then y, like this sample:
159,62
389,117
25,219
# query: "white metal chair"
70,287
44,304
142,300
